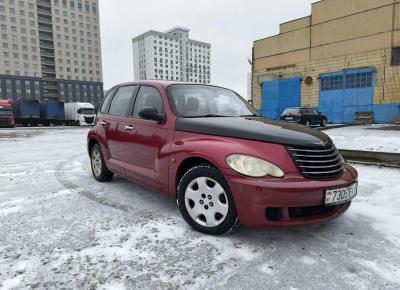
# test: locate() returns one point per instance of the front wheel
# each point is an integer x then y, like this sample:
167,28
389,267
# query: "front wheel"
205,201
308,124
99,168
323,123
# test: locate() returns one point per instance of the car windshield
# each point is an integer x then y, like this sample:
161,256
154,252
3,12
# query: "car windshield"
191,101
5,112
291,111
86,111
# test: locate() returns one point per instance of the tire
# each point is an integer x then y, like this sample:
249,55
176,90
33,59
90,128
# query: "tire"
308,124
323,123
205,201
99,169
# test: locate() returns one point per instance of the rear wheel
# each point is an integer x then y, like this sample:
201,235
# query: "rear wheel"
308,124
99,168
323,123
205,201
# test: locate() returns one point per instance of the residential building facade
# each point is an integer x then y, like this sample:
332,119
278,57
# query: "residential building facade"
171,55
50,50
343,59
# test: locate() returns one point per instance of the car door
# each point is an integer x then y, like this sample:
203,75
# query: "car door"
146,140
117,109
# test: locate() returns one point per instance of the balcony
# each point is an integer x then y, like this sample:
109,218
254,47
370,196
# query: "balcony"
46,20
45,29
45,37
46,46
46,12
46,54
43,3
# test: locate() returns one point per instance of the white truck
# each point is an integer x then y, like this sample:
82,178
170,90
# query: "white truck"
79,114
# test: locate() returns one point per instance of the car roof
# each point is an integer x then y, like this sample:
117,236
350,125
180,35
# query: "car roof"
158,82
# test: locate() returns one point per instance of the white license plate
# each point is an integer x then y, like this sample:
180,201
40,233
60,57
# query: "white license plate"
340,195
289,118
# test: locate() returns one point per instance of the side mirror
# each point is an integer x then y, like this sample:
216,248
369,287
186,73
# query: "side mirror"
150,113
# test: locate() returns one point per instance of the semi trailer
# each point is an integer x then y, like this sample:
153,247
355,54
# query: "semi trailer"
52,113
26,112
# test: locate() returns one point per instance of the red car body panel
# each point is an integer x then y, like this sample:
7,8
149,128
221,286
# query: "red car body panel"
153,152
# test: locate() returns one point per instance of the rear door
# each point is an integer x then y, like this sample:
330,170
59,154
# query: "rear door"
111,122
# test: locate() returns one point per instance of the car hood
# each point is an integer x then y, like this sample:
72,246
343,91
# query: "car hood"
254,128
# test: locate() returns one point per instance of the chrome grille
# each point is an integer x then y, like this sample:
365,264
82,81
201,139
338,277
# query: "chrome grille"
323,162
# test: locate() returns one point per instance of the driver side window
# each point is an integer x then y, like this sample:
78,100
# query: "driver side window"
147,97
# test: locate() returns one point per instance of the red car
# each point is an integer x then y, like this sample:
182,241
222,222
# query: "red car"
208,148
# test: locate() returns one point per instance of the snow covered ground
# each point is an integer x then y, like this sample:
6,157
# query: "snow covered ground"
61,229
366,138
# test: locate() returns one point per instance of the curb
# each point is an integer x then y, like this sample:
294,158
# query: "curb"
372,157
334,127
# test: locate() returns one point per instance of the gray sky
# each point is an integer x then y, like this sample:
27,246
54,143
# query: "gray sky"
230,26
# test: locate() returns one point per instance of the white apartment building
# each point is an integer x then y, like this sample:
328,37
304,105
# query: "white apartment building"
171,55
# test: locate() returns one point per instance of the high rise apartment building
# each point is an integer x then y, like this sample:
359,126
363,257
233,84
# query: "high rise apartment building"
50,49
171,55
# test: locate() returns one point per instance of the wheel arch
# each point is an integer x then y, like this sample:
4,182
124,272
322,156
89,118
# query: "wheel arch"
188,163
91,142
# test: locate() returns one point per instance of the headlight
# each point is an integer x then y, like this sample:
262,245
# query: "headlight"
253,166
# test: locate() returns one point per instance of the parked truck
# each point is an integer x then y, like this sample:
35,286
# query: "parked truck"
7,118
26,112
79,114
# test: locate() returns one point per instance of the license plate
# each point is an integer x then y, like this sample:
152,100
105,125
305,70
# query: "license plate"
289,118
340,195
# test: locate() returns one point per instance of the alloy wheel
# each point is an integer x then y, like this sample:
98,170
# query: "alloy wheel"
206,202
96,162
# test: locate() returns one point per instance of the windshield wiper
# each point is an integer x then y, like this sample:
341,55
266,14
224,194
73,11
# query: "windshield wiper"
207,116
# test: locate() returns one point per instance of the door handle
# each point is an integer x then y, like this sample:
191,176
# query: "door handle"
129,127
103,123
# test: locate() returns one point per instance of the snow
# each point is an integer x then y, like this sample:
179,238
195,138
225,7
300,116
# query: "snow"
366,138
59,228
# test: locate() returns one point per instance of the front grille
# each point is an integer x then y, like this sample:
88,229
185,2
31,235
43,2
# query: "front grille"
89,120
324,162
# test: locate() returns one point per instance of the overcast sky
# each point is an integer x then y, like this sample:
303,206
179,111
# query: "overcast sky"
230,26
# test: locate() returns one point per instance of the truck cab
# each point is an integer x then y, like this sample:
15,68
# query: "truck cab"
7,118
80,114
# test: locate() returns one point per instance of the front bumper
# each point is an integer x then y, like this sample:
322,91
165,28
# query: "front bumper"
289,201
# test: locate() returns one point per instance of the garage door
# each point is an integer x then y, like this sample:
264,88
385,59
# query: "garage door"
277,95
342,94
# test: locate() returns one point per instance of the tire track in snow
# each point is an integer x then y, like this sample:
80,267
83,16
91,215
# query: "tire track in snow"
61,177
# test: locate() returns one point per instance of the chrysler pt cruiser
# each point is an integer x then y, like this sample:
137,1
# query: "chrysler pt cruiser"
224,163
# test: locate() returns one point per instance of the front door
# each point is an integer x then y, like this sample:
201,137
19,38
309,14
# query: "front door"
146,140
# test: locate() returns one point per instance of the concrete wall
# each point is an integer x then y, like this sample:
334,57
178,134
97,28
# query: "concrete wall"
344,35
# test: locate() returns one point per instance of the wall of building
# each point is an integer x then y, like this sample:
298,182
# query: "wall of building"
55,38
339,35
171,55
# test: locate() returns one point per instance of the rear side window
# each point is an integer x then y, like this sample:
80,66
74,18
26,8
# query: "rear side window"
291,111
120,102
148,97
104,105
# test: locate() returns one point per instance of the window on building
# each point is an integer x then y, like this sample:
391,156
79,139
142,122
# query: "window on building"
332,83
359,80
